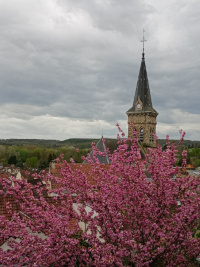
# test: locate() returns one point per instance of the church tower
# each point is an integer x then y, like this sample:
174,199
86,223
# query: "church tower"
142,115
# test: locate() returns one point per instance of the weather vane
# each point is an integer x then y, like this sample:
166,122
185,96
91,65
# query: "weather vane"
143,40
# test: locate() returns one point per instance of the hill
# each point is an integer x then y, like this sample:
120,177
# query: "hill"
186,143
76,142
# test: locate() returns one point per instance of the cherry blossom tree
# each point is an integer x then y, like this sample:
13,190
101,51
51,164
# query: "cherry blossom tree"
133,212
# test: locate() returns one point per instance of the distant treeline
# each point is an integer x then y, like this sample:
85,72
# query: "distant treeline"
186,143
76,142
38,153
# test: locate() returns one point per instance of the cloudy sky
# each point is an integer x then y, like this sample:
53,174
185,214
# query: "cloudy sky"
69,68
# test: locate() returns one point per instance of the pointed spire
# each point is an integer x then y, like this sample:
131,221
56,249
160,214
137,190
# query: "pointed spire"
142,100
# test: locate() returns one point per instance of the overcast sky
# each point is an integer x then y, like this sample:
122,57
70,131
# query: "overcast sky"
69,68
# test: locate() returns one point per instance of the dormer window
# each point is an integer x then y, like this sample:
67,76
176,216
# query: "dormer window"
138,105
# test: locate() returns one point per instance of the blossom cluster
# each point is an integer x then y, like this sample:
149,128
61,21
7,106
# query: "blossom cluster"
133,212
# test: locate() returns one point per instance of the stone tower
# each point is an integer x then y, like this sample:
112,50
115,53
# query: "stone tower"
142,114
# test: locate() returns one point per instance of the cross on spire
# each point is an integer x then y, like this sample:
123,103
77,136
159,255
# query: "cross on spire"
143,40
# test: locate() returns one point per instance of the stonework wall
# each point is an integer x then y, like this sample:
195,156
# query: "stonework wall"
145,121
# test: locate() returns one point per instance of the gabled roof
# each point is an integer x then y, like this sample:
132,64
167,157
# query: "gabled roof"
102,148
110,144
142,93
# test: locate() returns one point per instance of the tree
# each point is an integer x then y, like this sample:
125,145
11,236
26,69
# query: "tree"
12,160
23,154
50,158
32,162
129,219
2,152
10,151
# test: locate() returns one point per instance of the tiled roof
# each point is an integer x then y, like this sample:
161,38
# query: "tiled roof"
86,169
15,206
3,202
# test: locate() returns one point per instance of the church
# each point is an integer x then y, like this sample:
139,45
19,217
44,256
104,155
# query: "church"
142,115
141,118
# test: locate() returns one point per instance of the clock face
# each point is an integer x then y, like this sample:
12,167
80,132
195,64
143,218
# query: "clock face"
138,105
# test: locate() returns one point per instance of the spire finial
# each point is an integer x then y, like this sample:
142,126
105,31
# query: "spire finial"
143,40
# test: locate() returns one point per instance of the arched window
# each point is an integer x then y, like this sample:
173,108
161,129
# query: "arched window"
141,135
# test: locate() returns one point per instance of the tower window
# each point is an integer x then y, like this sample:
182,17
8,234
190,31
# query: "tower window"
151,136
141,135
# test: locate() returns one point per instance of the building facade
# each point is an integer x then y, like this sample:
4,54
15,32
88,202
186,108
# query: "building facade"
142,115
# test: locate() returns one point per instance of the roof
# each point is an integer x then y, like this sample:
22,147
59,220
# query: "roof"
142,93
102,146
86,169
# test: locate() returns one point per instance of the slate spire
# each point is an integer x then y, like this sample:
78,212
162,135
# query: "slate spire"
142,100
142,115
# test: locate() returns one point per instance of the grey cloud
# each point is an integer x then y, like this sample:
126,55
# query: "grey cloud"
78,61
112,15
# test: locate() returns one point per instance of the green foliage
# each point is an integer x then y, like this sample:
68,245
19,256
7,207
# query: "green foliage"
32,162
196,162
198,234
81,143
194,152
47,150
10,151
50,158
30,148
19,164
194,155
23,154
12,160
43,165
179,162
2,151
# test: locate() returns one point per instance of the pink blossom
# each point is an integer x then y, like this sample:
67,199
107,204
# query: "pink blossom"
184,153
134,212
